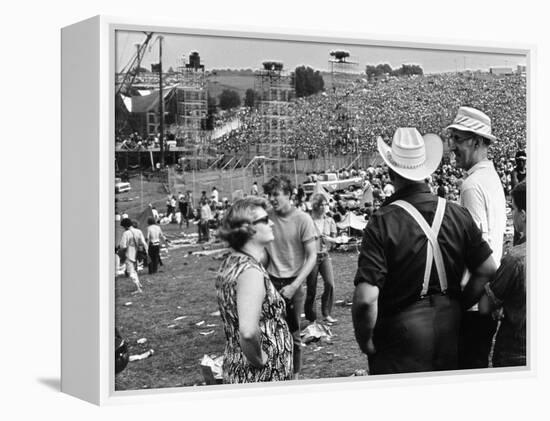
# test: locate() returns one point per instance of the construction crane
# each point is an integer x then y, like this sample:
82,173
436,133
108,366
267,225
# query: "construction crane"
130,71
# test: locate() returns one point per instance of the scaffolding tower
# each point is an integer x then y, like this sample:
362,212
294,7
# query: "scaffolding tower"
275,93
344,72
192,104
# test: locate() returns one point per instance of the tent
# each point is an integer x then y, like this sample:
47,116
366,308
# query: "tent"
367,195
142,218
319,189
352,221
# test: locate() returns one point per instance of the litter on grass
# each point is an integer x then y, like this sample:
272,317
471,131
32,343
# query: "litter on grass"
216,313
314,332
141,341
180,318
209,332
211,367
199,323
146,354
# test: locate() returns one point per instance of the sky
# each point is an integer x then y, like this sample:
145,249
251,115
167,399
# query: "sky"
242,53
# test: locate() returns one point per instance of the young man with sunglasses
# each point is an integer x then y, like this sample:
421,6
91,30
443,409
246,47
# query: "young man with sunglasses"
292,255
482,194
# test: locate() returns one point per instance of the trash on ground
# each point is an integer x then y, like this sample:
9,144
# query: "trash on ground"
314,332
216,313
141,340
212,369
171,326
180,318
146,354
129,303
210,252
211,325
200,323
209,332
360,372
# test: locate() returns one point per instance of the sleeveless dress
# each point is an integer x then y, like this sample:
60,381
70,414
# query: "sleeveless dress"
276,340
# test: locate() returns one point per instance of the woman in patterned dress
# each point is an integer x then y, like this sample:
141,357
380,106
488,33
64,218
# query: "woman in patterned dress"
258,342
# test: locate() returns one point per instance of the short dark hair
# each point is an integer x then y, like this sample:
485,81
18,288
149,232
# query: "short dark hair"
126,223
519,196
150,220
281,183
236,226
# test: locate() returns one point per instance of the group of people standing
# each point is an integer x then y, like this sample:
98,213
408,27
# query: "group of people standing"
134,248
428,280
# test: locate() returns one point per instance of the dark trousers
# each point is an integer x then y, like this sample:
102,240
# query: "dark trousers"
422,337
476,336
294,307
154,256
204,231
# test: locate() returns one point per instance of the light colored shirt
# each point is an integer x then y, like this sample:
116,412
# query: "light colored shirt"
206,212
215,195
130,240
287,250
325,226
482,194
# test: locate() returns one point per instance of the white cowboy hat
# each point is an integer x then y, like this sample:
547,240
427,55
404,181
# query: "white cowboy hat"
472,120
412,155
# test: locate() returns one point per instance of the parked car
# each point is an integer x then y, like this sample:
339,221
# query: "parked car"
332,183
122,187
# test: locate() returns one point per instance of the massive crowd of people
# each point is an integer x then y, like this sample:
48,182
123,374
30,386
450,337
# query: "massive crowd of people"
351,121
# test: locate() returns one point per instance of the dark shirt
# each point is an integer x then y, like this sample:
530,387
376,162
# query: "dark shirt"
393,251
507,289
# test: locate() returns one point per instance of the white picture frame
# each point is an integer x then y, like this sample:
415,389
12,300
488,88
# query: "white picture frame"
88,71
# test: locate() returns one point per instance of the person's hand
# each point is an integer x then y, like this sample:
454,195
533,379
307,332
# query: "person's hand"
370,349
288,291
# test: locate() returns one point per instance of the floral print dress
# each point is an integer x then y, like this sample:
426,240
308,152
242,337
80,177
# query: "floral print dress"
276,340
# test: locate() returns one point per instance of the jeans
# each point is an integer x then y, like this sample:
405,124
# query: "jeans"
422,337
293,309
324,267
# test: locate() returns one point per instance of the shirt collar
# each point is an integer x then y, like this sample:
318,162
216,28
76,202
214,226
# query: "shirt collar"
407,191
485,163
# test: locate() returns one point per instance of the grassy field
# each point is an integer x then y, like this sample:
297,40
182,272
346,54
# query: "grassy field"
185,291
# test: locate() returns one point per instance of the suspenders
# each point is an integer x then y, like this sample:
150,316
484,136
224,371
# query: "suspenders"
433,252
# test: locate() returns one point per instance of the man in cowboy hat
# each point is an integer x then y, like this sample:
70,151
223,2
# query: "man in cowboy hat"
407,300
482,194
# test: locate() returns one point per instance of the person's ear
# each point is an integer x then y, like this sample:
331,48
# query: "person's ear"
523,215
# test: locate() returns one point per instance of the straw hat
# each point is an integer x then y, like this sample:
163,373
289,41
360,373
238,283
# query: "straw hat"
412,155
472,120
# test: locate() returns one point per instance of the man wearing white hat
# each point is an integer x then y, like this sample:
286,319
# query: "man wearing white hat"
407,300
482,194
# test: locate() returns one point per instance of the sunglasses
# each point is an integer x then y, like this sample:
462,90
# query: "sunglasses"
264,220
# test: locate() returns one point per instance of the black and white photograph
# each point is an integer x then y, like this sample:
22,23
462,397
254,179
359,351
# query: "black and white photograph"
291,210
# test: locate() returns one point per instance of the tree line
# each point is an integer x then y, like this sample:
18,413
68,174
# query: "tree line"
386,69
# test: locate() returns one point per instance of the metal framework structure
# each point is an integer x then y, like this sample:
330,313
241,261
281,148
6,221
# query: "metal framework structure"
192,103
344,71
275,93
